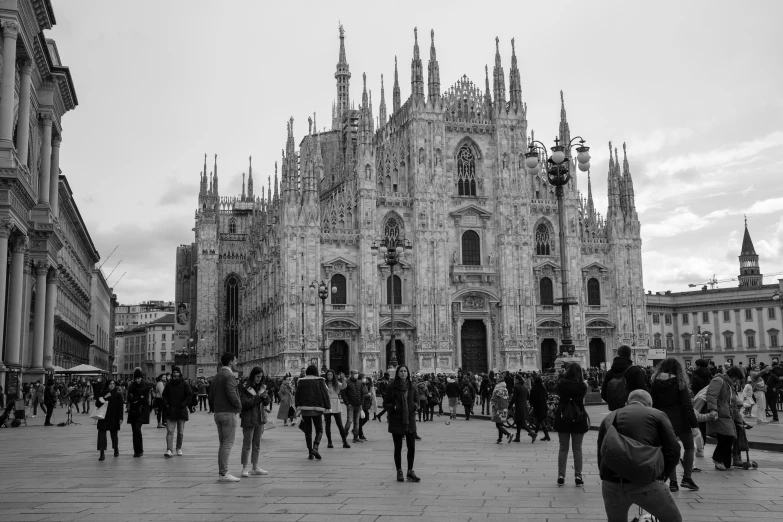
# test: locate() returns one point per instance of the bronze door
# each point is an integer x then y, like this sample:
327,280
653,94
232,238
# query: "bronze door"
597,352
474,346
338,357
548,354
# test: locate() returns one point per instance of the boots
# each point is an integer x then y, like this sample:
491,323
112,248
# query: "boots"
103,456
314,452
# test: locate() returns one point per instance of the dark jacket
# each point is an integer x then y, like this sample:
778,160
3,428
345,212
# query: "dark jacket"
139,402
486,387
223,392
311,396
253,411
700,378
393,403
113,418
176,400
636,376
647,426
452,388
471,390
722,398
538,401
569,390
519,399
354,392
50,397
509,380
674,402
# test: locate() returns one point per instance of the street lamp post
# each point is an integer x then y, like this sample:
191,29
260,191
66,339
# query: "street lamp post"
701,342
323,293
391,251
557,167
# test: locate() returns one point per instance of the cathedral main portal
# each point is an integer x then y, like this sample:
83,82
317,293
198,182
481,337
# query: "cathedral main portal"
474,346
338,357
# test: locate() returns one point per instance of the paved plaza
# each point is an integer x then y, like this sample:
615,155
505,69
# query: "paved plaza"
54,474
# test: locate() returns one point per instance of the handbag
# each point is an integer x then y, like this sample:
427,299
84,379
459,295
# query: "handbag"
361,414
100,413
631,460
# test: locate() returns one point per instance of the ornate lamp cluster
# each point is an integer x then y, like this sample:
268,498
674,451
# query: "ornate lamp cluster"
323,293
391,251
558,174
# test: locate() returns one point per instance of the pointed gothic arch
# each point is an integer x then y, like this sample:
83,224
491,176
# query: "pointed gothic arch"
393,224
544,238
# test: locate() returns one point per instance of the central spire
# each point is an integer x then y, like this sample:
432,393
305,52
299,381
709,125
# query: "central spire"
382,108
343,77
396,89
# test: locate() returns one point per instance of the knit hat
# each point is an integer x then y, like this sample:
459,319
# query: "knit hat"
137,373
176,369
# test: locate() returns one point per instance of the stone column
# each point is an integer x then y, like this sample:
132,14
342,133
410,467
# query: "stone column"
46,159
23,125
459,343
488,327
51,303
5,231
15,294
54,177
41,269
10,32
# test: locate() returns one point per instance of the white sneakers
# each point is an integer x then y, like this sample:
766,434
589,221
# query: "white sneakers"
228,477
179,452
168,454
255,472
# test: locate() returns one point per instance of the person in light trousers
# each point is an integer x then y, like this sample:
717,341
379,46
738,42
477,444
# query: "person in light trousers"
254,399
223,394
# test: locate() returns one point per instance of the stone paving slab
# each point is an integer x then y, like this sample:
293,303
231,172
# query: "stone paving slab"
52,474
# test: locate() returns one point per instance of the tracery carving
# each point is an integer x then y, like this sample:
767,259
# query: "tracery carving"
466,172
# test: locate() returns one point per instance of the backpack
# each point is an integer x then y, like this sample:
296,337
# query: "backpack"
628,458
466,397
617,390
572,414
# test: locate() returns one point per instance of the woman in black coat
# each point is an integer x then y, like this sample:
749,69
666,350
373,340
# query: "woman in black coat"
670,391
138,409
112,421
519,399
538,401
401,401
571,421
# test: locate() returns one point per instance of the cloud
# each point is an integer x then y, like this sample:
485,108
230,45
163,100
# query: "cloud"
178,192
766,206
681,220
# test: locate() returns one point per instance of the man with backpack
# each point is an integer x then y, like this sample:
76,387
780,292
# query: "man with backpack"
621,379
637,450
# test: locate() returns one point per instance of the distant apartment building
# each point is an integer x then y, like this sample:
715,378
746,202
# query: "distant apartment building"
142,313
148,346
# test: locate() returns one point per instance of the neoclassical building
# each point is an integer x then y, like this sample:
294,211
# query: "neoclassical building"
445,171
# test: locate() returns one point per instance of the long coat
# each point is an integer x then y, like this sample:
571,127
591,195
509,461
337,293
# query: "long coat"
176,400
722,398
286,400
499,402
519,398
113,419
139,403
393,403
538,398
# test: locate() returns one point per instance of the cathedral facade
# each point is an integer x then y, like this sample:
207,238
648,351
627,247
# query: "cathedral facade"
445,171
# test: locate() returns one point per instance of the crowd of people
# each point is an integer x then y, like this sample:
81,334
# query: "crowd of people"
654,411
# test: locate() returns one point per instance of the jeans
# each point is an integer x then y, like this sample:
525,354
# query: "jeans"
138,442
338,419
171,425
49,411
86,405
688,445
251,436
467,411
363,421
410,442
453,407
307,425
202,402
102,443
562,456
226,423
653,498
352,418
501,431
772,403
722,453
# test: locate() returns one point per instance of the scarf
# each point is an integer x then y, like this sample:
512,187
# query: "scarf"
404,389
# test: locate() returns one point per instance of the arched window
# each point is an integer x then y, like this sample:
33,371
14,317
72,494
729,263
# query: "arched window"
392,230
232,227
471,248
593,292
466,172
338,281
545,289
393,286
542,240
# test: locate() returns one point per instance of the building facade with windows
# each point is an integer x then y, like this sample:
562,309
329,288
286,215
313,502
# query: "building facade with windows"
143,313
131,350
445,171
727,325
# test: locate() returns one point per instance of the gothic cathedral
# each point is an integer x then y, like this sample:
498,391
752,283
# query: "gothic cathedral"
444,171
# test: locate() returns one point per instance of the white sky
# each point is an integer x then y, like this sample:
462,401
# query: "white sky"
694,88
